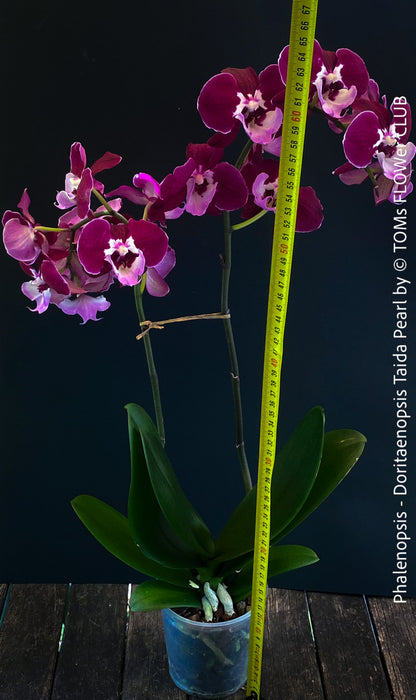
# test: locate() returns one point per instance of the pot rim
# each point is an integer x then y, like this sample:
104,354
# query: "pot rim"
208,625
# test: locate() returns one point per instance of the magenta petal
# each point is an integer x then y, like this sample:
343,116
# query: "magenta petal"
354,71
197,202
84,193
360,139
271,85
204,155
20,241
167,264
310,214
172,190
8,214
247,80
69,218
232,190
31,291
283,63
130,193
52,277
316,61
65,200
396,194
217,102
155,284
350,175
24,206
174,183
84,305
92,243
77,158
150,239
384,189
149,186
107,161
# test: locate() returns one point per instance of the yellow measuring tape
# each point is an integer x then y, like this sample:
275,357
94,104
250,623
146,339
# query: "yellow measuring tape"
302,34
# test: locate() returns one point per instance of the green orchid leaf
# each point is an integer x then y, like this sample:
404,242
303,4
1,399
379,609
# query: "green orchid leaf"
179,512
294,473
342,449
282,558
148,524
156,595
231,566
111,529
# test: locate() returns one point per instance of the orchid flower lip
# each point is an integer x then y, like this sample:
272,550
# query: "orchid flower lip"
121,247
249,102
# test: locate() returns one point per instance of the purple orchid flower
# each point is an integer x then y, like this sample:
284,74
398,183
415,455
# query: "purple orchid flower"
128,248
338,76
20,237
238,93
202,184
211,186
262,180
374,133
47,286
342,78
80,180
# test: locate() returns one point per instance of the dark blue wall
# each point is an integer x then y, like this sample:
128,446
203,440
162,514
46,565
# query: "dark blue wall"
127,81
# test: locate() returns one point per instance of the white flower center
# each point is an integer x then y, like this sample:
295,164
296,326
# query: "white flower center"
121,247
249,102
72,182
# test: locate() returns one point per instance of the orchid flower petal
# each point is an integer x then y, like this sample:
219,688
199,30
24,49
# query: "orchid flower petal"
92,242
86,306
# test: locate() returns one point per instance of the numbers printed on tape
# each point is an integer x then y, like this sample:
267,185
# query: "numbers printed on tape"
302,33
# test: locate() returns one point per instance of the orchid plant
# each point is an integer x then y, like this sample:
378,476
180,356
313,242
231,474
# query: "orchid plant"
96,243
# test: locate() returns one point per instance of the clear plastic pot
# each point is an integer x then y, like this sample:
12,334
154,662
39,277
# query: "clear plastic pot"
207,660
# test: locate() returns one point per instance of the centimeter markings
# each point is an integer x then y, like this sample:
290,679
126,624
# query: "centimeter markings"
302,34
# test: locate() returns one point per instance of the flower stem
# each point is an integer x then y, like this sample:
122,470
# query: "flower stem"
154,380
49,228
235,377
243,155
248,222
108,207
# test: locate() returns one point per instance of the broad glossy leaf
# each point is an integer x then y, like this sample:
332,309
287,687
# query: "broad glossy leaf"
111,529
179,512
293,476
342,449
230,566
147,522
156,595
282,558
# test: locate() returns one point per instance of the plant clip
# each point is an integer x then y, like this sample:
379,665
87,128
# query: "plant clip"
147,325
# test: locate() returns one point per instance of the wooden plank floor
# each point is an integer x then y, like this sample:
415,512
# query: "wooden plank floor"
317,646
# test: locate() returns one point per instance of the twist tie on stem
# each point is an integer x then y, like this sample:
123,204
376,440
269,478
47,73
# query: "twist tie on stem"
159,325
